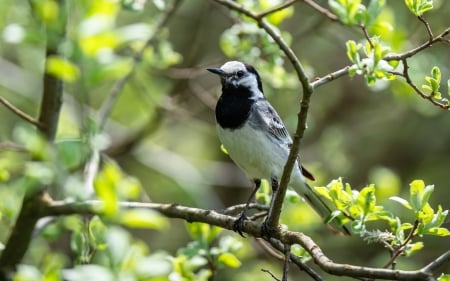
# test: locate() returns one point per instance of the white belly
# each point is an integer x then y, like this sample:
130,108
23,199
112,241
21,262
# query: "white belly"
254,152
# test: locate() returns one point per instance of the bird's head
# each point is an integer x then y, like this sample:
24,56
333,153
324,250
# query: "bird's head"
238,75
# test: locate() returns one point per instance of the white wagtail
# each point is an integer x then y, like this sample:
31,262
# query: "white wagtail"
255,136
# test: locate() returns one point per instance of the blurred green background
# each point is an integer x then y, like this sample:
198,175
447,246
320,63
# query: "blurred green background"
162,127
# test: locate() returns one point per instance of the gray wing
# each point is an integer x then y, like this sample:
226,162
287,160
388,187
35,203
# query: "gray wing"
264,117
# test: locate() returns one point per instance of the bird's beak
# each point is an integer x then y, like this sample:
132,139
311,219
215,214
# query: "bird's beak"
215,70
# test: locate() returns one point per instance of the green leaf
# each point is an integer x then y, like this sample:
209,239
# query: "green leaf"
105,187
142,218
229,260
418,7
366,199
426,87
436,73
402,201
416,192
444,277
448,87
97,230
278,17
434,84
426,195
323,191
335,214
223,149
62,69
199,231
438,231
413,247
352,50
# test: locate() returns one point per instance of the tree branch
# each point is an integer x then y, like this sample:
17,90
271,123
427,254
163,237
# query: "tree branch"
330,77
397,252
405,74
94,207
20,113
427,27
434,265
297,261
34,198
276,9
270,273
412,52
322,10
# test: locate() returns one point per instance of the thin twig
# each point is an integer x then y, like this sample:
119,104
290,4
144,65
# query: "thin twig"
276,9
297,261
428,28
270,273
401,248
20,113
322,10
412,52
366,34
405,74
330,77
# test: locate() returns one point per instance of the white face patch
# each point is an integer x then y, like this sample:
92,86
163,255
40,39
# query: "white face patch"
248,80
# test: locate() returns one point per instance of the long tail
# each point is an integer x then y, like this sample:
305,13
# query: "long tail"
305,191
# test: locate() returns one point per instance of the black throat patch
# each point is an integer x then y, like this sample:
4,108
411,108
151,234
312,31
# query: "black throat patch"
233,107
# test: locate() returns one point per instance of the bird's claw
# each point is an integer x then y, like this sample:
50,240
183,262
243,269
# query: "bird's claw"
238,225
267,230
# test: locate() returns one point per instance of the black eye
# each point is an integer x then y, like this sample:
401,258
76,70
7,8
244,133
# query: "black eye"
240,73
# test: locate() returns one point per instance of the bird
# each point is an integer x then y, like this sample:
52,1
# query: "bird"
256,138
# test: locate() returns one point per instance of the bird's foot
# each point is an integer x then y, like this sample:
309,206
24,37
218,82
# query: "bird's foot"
238,225
267,231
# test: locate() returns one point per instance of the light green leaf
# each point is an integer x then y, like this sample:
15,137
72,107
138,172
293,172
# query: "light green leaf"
448,87
62,68
418,7
444,277
198,231
97,232
402,201
436,73
105,187
142,218
416,192
366,199
223,149
413,247
438,231
323,191
352,50
426,195
426,87
335,214
229,260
